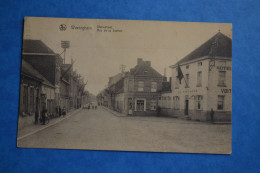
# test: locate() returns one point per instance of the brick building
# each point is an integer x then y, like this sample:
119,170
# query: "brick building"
136,92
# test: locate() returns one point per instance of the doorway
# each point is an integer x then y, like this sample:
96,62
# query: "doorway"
186,110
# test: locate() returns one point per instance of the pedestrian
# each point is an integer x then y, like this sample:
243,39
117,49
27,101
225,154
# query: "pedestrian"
59,111
44,112
36,117
64,111
212,115
158,110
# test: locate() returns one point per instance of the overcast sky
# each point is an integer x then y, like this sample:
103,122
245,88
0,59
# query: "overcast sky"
99,55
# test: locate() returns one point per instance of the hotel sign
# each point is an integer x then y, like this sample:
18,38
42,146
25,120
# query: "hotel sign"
223,68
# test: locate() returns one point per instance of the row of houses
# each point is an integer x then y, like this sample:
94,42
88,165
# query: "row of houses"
200,83
47,80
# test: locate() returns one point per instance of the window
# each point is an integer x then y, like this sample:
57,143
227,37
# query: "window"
31,100
130,86
198,102
187,66
221,78
220,102
199,63
177,83
140,85
199,78
154,87
187,80
176,102
25,99
140,105
153,105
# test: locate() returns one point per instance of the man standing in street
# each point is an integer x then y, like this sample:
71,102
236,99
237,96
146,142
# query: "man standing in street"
212,115
44,111
158,110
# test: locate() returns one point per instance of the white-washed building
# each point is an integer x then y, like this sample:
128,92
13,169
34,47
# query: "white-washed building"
206,83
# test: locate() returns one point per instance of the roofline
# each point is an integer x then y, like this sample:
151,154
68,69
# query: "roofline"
32,77
52,86
200,59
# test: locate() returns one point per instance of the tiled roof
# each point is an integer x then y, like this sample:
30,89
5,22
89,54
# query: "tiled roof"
35,46
29,70
223,48
141,68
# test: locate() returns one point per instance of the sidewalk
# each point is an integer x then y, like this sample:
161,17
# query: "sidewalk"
34,128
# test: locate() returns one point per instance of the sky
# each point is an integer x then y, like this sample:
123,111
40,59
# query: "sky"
99,53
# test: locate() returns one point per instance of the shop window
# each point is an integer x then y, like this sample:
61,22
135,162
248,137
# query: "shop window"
140,85
221,78
220,102
199,79
140,105
154,87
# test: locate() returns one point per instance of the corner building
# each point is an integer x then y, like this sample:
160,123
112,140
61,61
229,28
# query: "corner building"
206,83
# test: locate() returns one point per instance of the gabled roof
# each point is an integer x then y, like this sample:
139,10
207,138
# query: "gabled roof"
143,69
219,45
28,69
36,46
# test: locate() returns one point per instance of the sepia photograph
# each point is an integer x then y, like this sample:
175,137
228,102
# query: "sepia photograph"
126,85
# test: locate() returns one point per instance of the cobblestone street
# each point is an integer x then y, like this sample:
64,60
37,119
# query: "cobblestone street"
102,130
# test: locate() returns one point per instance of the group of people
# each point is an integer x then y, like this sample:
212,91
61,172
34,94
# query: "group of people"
91,107
44,111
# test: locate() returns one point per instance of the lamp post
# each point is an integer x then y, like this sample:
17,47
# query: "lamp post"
65,45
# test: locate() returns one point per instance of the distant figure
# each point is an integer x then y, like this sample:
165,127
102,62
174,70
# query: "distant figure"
59,111
36,117
44,112
64,111
212,115
158,110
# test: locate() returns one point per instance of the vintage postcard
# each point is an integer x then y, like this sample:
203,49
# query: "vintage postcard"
126,85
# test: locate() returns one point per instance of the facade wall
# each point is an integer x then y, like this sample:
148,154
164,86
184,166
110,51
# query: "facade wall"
196,101
30,101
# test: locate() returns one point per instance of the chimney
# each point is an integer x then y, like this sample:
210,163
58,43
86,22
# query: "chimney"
148,63
139,61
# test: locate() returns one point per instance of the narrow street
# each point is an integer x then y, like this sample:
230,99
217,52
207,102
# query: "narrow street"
102,130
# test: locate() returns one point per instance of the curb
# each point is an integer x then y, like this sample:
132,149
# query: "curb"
48,125
113,112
